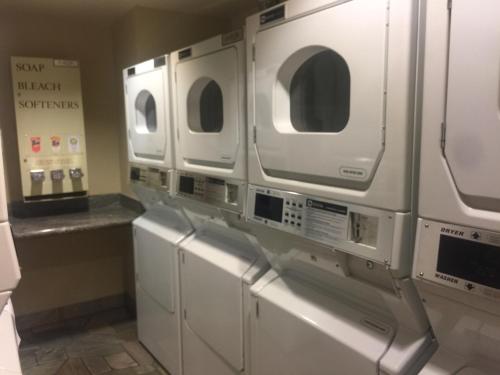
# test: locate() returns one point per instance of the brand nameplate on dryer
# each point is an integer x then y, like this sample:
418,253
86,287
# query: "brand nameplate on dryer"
272,15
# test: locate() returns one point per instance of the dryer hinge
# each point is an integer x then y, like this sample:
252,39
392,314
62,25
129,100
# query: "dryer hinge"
253,52
450,4
443,136
383,135
254,134
257,310
185,314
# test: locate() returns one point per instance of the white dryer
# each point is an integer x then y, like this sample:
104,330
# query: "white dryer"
149,133
330,109
457,254
157,235
208,87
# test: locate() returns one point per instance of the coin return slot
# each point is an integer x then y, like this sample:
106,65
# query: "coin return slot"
232,194
364,229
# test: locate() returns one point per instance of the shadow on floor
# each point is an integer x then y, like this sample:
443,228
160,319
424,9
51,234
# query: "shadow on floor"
102,344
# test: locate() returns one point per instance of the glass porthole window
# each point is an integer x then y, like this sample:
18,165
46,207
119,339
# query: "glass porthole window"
320,94
145,113
205,107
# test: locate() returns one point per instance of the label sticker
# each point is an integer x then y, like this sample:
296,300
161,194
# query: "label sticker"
74,143
326,222
36,144
55,142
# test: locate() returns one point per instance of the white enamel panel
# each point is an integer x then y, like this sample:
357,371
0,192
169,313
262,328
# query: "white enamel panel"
473,103
212,294
300,330
159,330
210,139
9,343
219,148
443,181
9,266
150,145
280,51
155,244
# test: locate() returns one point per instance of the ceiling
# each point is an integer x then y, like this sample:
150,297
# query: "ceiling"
116,8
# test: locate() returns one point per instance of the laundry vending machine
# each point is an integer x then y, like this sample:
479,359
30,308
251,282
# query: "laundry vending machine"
158,232
457,253
9,278
331,143
220,261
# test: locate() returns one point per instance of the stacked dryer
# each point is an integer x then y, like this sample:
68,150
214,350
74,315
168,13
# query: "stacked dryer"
219,263
159,231
9,278
457,255
331,144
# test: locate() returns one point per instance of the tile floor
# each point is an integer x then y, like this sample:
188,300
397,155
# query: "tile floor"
102,344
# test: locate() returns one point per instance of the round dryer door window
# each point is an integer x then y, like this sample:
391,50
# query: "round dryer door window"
205,107
320,93
145,113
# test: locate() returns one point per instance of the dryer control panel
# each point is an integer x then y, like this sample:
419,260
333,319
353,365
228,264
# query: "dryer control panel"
462,258
223,193
156,178
355,229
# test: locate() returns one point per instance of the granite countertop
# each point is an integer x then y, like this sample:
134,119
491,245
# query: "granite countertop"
98,212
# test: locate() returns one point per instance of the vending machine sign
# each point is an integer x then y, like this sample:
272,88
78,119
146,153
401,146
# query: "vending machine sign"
50,127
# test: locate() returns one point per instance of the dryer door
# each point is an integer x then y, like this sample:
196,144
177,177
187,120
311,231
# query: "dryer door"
208,109
212,296
473,109
147,116
319,95
298,330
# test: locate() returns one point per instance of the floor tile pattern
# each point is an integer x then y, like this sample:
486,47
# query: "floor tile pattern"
103,344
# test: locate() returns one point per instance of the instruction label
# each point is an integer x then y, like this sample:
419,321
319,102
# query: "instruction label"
326,222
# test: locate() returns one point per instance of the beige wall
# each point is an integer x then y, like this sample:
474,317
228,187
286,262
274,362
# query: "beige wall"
146,33
72,268
43,36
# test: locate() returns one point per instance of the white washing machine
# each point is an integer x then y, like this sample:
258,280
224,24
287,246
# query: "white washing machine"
208,98
9,278
321,309
457,254
219,265
149,131
157,235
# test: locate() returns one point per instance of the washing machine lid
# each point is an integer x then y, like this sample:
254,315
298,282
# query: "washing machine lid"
147,112
212,270
472,130
320,94
301,330
209,108
156,237
9,266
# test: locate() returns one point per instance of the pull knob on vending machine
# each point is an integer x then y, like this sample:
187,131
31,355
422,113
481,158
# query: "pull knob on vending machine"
50,127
